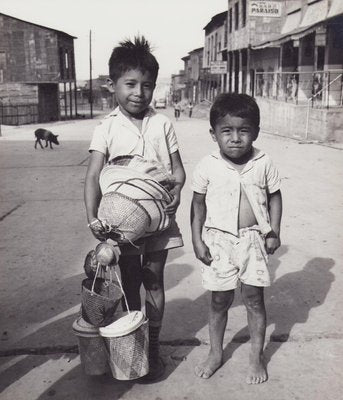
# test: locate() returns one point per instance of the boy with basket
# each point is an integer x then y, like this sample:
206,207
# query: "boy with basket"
134,128
236,215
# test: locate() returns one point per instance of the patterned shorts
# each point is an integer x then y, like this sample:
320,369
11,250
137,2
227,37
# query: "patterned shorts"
235,259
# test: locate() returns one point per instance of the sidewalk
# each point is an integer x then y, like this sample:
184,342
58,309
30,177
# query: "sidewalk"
44,240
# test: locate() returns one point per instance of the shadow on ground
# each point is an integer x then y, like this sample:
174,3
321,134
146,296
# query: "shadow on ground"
289,301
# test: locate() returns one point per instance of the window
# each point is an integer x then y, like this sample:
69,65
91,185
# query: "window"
38,45
66,59
208,51
225,34
244,12
215,46
230,20
2,60
2,65
61,54
236,16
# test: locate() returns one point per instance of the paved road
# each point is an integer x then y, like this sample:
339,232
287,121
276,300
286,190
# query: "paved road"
42,246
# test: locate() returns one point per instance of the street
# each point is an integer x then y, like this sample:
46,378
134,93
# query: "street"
44,240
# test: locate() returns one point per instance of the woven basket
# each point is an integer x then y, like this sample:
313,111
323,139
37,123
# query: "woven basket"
155,169
99,306
132,204
126,216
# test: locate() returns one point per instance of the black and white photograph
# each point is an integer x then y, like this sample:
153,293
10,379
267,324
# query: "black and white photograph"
171,199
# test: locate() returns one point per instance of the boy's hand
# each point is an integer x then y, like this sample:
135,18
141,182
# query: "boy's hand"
172,207
272,242
98,229
202,252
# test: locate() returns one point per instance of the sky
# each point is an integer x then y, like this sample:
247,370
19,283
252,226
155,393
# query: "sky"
173,27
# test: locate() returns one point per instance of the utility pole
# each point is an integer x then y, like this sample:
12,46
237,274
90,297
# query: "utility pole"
90,73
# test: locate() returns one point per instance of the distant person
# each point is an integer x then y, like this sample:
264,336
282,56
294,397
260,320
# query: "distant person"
177,110
190,109
135,128
235,218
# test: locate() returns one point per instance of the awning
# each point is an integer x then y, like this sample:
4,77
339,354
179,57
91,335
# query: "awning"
315,13
292,22
336,8
296,34
314,19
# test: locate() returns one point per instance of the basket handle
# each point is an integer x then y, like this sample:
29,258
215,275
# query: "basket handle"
96,275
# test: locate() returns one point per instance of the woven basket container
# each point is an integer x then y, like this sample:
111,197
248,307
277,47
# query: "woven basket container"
93,354
98,307
132,203
128,350
128,218
155,169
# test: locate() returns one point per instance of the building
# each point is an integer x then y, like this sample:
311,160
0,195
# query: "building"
37,73
288,54
214,71
298,73
178,87
194,75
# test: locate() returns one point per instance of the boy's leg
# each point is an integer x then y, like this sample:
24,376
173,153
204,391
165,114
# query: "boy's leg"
153,280
220,304
253,298
131,276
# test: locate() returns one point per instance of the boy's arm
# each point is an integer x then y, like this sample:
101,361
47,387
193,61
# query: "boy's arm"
92,193
180,177
198,216
275,212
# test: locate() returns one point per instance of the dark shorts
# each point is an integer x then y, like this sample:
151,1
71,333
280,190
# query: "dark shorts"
165,240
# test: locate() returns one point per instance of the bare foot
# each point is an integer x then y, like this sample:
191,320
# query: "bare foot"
206,369
257,371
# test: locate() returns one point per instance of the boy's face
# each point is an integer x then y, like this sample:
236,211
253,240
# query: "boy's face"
235,136
133,91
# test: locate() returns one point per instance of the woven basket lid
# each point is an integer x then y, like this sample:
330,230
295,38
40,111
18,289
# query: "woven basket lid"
124,325
83,328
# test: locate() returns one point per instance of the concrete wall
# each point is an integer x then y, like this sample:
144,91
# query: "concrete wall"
256,29
289,120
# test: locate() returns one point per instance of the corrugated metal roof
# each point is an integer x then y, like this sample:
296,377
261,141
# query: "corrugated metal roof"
218,19
40,26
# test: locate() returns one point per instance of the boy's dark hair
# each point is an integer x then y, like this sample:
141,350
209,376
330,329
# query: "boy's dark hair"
132,55
238,105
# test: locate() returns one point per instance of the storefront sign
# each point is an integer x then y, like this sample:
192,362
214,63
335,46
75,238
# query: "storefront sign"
218,67
260,8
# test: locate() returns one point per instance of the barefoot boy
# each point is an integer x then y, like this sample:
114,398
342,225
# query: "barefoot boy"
135,128
235,217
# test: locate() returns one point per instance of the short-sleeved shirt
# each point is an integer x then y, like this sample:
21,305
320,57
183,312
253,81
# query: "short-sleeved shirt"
222,184
117,136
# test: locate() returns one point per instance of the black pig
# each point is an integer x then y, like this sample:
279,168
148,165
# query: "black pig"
48,136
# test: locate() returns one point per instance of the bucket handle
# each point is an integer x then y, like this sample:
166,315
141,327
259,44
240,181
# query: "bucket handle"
119,281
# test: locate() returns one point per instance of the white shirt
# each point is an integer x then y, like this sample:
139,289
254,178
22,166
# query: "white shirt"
117,136
222,183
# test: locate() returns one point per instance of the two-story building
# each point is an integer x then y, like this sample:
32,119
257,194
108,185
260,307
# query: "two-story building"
178,87
193,75
37,73
298,74
214,72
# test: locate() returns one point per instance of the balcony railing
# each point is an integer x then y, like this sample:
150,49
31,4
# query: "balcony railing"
319,89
